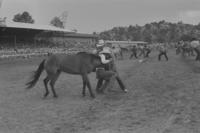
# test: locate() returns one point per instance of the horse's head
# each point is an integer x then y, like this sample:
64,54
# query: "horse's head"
92,60
95,60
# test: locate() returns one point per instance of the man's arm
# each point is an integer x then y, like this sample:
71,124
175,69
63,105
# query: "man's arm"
103,59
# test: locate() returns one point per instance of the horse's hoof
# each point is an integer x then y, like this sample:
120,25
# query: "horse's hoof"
55,96
45,95
125,90
92,96
99,91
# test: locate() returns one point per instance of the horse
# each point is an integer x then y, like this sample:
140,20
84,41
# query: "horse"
81,64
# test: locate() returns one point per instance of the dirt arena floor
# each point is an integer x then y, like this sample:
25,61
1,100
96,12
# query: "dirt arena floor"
163,97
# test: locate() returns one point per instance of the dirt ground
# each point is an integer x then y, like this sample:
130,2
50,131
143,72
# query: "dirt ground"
163,97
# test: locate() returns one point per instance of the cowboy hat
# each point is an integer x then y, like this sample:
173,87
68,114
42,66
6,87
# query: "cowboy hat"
100,43
106,50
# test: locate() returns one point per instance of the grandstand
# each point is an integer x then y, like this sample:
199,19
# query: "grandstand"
15,34
15,37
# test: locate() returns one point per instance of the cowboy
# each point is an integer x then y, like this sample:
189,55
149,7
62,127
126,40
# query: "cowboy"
109,70
103,73
99,47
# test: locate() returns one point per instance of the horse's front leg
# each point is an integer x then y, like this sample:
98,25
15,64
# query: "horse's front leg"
86,79
84,85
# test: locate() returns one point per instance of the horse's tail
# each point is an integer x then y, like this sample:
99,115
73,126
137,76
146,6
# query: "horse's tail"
36,75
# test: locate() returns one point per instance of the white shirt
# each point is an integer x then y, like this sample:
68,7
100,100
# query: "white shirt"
195,43
103,59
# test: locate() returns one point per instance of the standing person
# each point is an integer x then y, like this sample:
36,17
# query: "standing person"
148,50
196,45
99,47
142,51
109,69
134,52
162,51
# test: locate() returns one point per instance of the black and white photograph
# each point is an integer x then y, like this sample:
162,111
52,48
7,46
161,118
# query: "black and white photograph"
99,66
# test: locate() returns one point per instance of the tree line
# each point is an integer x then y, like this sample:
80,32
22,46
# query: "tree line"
25,17
155,32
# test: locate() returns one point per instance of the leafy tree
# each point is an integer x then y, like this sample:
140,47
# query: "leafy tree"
25,17
56,21
153,32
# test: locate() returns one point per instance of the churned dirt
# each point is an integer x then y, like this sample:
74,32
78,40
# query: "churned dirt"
163,97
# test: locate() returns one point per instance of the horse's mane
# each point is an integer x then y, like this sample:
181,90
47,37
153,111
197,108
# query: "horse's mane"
94,56
82,52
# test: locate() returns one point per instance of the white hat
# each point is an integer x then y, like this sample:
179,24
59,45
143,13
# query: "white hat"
100,43
106,50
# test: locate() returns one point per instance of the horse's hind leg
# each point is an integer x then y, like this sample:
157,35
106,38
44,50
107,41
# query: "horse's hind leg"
84,85
46,80
52,83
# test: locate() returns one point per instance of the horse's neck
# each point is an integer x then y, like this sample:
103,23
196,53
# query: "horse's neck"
96,62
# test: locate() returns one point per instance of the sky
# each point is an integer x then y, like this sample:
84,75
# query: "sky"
89,16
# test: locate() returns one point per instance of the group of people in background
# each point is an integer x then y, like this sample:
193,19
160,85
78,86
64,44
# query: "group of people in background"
189,48
145,50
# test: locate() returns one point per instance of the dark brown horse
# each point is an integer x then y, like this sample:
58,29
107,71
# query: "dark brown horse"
81,63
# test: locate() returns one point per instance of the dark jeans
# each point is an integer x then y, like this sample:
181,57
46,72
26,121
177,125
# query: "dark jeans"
101,87
148,52
106,76
134,53
103,75
162,53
